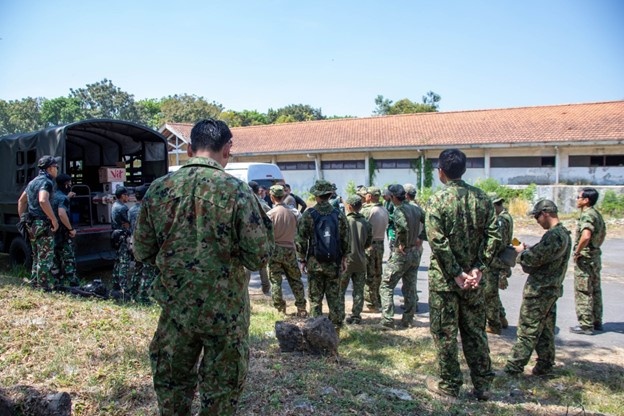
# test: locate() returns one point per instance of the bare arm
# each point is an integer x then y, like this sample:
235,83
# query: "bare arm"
22,204
65,220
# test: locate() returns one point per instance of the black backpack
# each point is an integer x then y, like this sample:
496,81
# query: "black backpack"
326,242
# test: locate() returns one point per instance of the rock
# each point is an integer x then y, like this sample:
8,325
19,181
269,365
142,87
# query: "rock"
399,394
289,336
326,391
320,336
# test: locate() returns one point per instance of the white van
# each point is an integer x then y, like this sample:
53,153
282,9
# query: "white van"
265,174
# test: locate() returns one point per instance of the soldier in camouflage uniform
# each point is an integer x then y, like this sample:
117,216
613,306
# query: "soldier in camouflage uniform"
200,226
546,263
65,257
403,264
284,258
143,274
323,278
463,236
410,196
361,235
389,206
120,223
496,275
590,234
265,283
35,209
378,216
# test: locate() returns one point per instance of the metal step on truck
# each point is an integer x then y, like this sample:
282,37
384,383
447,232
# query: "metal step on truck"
99,155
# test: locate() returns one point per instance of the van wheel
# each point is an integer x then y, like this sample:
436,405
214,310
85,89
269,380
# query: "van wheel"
20,253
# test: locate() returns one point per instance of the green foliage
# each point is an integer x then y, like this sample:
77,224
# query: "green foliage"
428,171
612,204
104,100
491,185
351,188
61,110
17,116
244,118
372,170
150,112
423,195
385,106
186,108
293,113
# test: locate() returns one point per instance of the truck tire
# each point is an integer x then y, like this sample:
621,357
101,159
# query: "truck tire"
20,253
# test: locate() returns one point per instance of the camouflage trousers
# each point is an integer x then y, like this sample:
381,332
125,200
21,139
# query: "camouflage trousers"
358,279
65,262
494,309
140,284
175,353
588,291
462,311
121,268
324,281
402,267
284,262
536,331
42,244
374,261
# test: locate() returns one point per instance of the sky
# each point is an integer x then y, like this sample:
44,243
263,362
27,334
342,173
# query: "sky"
335,55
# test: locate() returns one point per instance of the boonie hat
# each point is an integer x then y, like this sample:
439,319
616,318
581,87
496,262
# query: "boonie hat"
495,198
355,201
322,187
373,190
409,189
544,205
276,190
397,190
47,161
361,190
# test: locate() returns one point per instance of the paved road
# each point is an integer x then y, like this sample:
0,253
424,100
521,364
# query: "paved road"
612,289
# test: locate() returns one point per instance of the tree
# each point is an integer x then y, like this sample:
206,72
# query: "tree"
405,106
20,116
150,112
294,112
105,100
188,109
244,118
61,110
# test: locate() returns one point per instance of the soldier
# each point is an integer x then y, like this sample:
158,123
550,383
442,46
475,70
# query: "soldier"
496,275
323,273
35,203
361,233
65,257
378,217
144,273
120,223
590,234
200,226
463,236
294,200
264,274
410,196
403,264
284,258
546,263
389,206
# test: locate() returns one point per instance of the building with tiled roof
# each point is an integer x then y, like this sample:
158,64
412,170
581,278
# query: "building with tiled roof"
573,144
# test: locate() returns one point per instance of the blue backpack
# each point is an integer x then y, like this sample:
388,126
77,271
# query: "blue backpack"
326,242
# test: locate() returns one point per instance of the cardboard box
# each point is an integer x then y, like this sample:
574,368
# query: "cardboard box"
108,174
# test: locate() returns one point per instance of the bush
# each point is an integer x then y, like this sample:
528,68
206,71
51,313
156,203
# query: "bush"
612,204
509,194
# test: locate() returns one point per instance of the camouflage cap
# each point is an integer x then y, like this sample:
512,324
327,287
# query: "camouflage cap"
373,190
354,201
322,187
277,190
495,198
47,161
361,190
397,190
544,205
409,189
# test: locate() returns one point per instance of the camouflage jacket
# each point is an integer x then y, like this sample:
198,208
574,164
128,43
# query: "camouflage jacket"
462,233
200,226
547,262
42,182
591,220
407,224
305,234
119,215
505,227
133,213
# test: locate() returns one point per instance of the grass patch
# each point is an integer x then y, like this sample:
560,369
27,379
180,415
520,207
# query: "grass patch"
97,351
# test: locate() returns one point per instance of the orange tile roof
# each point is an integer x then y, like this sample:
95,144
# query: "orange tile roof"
571,123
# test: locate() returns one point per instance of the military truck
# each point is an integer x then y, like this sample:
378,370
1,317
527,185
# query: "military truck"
99,155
